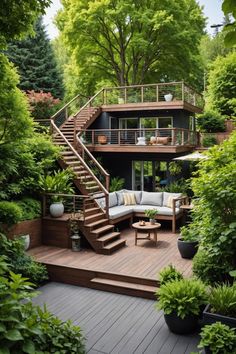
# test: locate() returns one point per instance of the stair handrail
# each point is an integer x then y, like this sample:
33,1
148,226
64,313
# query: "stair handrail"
103,171
66,105
89,102
105,191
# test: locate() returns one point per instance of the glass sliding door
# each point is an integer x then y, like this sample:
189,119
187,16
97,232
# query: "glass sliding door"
149,176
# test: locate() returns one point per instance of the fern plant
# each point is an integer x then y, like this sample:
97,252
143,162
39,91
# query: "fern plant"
223,300
116,184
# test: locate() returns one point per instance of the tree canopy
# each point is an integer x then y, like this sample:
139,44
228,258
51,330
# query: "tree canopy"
35,60
133,42
229,8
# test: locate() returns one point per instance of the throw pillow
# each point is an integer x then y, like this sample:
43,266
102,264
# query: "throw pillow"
166,196
129,199
170,202
112,199
151,198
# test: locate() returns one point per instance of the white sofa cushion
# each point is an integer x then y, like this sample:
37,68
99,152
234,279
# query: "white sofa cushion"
112,199
167,195
120,195
161,210
152,198
120,210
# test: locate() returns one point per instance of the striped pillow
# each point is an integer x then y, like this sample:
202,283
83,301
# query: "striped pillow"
129,199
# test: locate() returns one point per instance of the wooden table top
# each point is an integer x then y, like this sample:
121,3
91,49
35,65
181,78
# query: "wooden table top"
148,226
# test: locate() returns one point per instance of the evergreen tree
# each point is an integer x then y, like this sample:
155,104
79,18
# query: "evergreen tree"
34,58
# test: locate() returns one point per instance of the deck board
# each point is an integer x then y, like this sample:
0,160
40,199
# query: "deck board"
114,323
143,260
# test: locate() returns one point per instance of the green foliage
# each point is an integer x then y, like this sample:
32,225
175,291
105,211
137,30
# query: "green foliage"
223,300
15,122
144,47
222,85
180,186
169,273
210,122
34,58
26,328
30,208
58,183
215,213
116,184
10,213
218,338
23,163
175,168
229,8
20,262
17,17
209,140
42,105
151,213
188,233
183,297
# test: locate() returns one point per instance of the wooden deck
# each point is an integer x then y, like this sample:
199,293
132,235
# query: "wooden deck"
115,323
138,266
147,149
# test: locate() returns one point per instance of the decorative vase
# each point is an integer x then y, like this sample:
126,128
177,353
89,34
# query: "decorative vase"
26,239
168,97
56,209
180,325
187,249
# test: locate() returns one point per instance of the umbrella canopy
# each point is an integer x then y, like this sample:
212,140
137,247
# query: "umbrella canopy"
191,157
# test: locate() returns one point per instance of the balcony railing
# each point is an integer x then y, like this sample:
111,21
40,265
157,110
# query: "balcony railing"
179,91
120,137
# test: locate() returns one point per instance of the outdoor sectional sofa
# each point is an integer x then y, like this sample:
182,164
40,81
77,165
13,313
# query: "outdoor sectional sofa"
167,204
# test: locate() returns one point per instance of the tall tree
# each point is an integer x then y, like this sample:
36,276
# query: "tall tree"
229,9
34,58
133,42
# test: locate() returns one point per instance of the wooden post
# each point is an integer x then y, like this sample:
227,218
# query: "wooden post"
118,137
157,93
173,136
182,137
125,95
107,205
142,94
44,205
183,91
107,182
93,142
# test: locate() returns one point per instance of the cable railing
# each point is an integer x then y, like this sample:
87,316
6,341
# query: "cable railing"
74,204
142,136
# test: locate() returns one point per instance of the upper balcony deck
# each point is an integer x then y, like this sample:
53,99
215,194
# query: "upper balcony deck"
162,96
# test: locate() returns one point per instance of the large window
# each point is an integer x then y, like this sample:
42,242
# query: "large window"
156,122
149,175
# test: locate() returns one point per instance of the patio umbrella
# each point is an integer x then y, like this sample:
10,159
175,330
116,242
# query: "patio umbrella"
192,157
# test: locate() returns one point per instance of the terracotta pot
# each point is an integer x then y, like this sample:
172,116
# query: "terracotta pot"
102,139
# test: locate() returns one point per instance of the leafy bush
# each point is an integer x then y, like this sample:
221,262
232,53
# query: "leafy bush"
10,213
223,300
169,273
175,168
215,213
26,328
20,262
116,184
218,338
210,122
42,104
179,186
31,208
188,233
183,297
209,141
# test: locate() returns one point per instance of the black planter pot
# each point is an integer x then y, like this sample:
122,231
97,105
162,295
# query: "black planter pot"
178,325
187,249
209,318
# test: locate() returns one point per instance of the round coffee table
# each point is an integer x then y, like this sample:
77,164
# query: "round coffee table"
147,228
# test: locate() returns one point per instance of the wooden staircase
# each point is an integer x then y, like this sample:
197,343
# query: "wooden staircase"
95,223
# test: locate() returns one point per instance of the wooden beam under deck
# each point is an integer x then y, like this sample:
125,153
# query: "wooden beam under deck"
150,106
163,149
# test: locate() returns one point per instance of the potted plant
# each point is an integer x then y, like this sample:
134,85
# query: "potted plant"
218,339
222,305
169,273
102,139
151,214
187,242
181,301
58,183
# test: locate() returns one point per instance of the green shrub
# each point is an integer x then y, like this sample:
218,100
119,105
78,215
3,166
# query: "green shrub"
210,122
179,186
20,262
169,273
223,300
218,338
31,208
183,297
188,233
209,141
116,184
26,328
10,213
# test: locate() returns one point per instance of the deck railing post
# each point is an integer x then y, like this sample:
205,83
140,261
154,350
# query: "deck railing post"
173,136
93,142
183,91
142,94
157,93
125,95
182,137
118,137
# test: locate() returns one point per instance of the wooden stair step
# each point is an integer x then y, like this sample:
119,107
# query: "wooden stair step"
123,287
108,237
102,230
91,211
90,218
112,247
97,223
